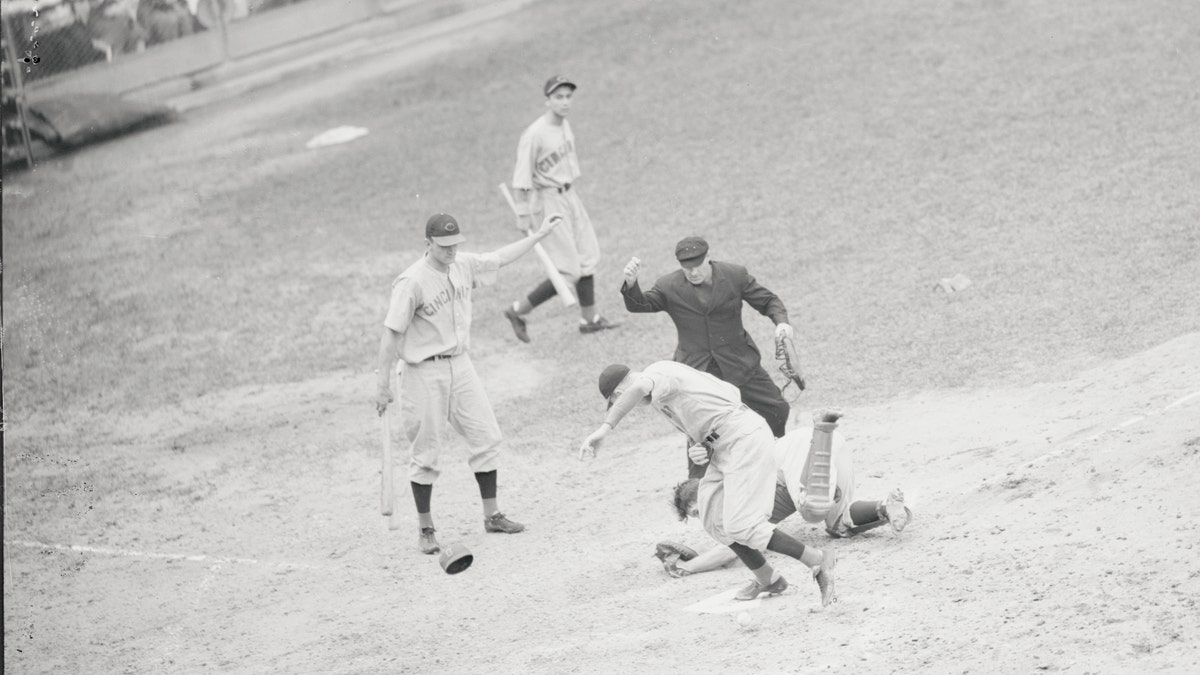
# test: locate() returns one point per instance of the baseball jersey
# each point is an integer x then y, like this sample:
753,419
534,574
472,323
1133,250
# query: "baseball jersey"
545,156
431,310
694,402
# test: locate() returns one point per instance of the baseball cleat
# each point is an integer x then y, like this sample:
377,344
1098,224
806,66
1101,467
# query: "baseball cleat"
497,522
518,324
598,324
823,574
427,542
754,589
895,512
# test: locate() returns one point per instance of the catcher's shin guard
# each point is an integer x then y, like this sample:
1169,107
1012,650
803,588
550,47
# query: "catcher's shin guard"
818,467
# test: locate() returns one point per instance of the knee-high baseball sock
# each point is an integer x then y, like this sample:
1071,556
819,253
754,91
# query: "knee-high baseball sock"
792,547
487,491
585,288
864,513
540,293
423,497
763,573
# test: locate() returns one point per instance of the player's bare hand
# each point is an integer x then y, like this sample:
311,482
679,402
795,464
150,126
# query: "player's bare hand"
382,398
631,270
785,330
592,443
552,221
699,454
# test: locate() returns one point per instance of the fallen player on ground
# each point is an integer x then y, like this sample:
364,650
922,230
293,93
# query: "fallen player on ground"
794,452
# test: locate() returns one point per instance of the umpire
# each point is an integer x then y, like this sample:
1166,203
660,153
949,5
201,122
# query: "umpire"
704,300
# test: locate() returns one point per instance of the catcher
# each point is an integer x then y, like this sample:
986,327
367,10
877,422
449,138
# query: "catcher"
801,485
704,300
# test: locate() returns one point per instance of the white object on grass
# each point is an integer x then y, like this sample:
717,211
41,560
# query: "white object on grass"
335,136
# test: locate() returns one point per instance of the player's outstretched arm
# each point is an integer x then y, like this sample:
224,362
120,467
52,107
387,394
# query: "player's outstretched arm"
713,559
511,252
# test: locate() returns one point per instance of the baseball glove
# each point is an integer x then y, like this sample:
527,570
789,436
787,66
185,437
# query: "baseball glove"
665,549
785,352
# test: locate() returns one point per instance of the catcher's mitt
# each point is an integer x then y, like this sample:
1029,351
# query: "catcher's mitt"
665,549
785,352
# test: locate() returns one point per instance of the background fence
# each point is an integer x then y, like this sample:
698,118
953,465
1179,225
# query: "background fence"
58,49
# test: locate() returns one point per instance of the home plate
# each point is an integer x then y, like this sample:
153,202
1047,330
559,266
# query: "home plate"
723,603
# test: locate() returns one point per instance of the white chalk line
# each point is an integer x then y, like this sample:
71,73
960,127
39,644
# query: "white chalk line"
1127,423
188,557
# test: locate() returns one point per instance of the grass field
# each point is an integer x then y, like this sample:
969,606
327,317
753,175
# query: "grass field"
191,316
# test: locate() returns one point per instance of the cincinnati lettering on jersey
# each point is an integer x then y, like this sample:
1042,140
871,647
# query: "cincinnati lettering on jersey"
431,307
547,163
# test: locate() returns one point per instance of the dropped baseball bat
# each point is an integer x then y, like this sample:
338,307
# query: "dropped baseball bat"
387,491
560,284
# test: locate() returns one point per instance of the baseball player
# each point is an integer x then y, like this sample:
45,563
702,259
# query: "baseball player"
544,179
845,518
704,299
428,328
735,494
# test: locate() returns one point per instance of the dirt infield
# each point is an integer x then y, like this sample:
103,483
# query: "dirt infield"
191,314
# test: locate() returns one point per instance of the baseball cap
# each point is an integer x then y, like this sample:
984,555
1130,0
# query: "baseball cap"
610,377
442,228
556,82
690,251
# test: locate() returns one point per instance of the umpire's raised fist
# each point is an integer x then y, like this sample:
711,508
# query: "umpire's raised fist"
631,270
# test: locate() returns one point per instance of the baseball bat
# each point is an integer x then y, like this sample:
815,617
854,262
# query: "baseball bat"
560,284
387,491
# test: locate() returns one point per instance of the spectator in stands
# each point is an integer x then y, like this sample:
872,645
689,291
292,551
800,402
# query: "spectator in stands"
164,20
113,23
63,42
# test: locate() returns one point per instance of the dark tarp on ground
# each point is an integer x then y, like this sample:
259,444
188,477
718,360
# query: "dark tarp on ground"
85,118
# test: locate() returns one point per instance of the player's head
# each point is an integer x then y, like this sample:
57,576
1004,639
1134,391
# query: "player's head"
442,236
612,381
692,253
685,498
559,91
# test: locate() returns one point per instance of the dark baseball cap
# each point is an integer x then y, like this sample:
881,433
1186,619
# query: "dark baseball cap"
610,377
443,229
690,251
556,82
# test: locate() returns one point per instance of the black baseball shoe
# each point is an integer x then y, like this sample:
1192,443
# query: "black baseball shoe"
498,522
755,589
427,542
518,324
596,325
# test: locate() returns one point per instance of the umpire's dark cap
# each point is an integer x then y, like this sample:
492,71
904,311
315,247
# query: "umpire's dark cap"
610,377
443,230
690,251
556,82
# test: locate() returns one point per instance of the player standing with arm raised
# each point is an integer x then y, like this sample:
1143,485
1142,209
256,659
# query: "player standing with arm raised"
428,327
704,300
544,178
736,493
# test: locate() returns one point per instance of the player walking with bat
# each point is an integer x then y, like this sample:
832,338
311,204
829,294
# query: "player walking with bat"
544,178
428,327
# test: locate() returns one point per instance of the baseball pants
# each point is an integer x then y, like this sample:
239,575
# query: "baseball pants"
572,246
737,491
437,397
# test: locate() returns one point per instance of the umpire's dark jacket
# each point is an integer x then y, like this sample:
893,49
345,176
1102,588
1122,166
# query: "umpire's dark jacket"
715,332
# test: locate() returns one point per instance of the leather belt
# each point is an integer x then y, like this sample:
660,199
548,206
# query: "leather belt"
712,437
559,190
439,357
